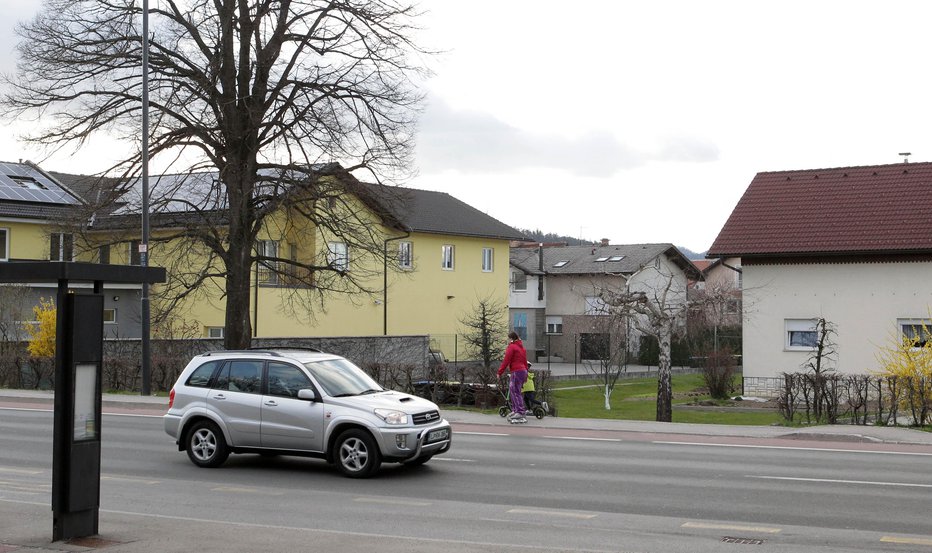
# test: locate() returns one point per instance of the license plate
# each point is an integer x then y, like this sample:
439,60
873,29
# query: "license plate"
438,435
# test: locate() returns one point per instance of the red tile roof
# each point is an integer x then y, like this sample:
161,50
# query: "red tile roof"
848,210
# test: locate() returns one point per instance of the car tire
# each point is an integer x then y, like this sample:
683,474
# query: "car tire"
205,445
356,454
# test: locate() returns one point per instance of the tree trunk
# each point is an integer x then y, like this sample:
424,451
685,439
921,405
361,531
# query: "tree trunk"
608,395
664,382
238,331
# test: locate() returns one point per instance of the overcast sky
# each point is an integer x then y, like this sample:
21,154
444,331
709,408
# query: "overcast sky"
645,121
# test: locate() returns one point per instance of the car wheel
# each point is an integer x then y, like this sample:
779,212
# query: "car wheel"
357,456
206,446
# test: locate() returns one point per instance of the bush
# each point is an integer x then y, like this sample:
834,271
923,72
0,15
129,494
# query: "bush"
718,373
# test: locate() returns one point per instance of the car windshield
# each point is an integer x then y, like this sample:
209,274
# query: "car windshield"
339,377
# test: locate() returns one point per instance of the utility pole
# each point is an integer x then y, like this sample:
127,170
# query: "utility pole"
144,243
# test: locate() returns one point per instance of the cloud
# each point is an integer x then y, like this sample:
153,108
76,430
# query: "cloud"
477,142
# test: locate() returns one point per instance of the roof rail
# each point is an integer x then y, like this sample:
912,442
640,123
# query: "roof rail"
257,350
274,351
297,348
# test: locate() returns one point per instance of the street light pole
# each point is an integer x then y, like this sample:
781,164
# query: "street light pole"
144,244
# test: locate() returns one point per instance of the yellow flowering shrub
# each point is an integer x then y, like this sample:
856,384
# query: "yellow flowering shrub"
42,334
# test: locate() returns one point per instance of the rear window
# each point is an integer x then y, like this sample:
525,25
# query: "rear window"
240,376
200,378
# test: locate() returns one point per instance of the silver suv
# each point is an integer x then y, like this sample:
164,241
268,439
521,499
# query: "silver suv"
297,402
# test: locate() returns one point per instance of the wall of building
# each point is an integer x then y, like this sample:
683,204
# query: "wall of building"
424,300
863,300
27,240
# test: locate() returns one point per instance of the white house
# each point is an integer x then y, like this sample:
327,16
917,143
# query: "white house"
555,291
851,245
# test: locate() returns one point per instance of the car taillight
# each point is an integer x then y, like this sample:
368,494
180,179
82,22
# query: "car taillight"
171,398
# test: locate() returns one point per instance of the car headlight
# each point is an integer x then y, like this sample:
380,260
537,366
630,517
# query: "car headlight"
390,416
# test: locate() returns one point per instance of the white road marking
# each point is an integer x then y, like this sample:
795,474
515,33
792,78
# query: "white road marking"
481,433
833,481
452,459
236,489
582,439
564,514
129,479
381,500
906,541
737,528
21,471
833,450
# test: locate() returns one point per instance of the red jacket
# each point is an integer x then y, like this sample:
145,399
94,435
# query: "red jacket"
515,358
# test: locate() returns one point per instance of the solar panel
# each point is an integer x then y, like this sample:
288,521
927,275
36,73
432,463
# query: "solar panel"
22,183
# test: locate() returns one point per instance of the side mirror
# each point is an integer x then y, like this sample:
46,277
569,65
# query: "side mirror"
308,394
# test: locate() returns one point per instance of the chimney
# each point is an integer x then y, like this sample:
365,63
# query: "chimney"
604,242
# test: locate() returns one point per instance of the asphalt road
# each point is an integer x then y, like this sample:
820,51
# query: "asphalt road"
509,489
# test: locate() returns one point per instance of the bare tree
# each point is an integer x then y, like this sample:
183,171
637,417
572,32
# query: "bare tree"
485,331
612,350
820,364
658,311
261,95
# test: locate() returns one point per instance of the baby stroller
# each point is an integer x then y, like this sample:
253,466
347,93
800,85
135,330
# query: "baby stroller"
537,410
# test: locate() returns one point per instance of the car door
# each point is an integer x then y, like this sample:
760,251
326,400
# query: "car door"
289,422
236,398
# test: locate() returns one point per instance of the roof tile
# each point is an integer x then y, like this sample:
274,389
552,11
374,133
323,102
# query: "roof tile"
870,209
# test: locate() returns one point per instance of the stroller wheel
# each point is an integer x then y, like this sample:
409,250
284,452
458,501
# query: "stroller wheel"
503,411
539,412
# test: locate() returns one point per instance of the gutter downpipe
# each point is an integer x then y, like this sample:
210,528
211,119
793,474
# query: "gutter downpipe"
407,234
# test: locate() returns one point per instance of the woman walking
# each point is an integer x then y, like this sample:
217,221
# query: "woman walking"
516,362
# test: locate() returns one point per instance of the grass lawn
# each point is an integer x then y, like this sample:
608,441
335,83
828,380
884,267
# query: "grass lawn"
636,400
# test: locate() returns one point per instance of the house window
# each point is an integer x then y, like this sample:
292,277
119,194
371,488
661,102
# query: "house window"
518,281
61,247
554,325
268,270
801,334
338,255
915,331
405,255
110,316
486,260
561,263
4,244
520,325
446,262
215,332
28,182
596,306
103,254
738,278
732,307
134,253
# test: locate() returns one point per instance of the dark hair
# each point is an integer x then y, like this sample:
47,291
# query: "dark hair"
512,335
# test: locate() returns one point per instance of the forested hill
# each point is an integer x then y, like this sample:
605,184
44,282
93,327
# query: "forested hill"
551,238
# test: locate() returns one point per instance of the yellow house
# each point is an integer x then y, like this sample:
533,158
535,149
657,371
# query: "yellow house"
428,259
35,210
